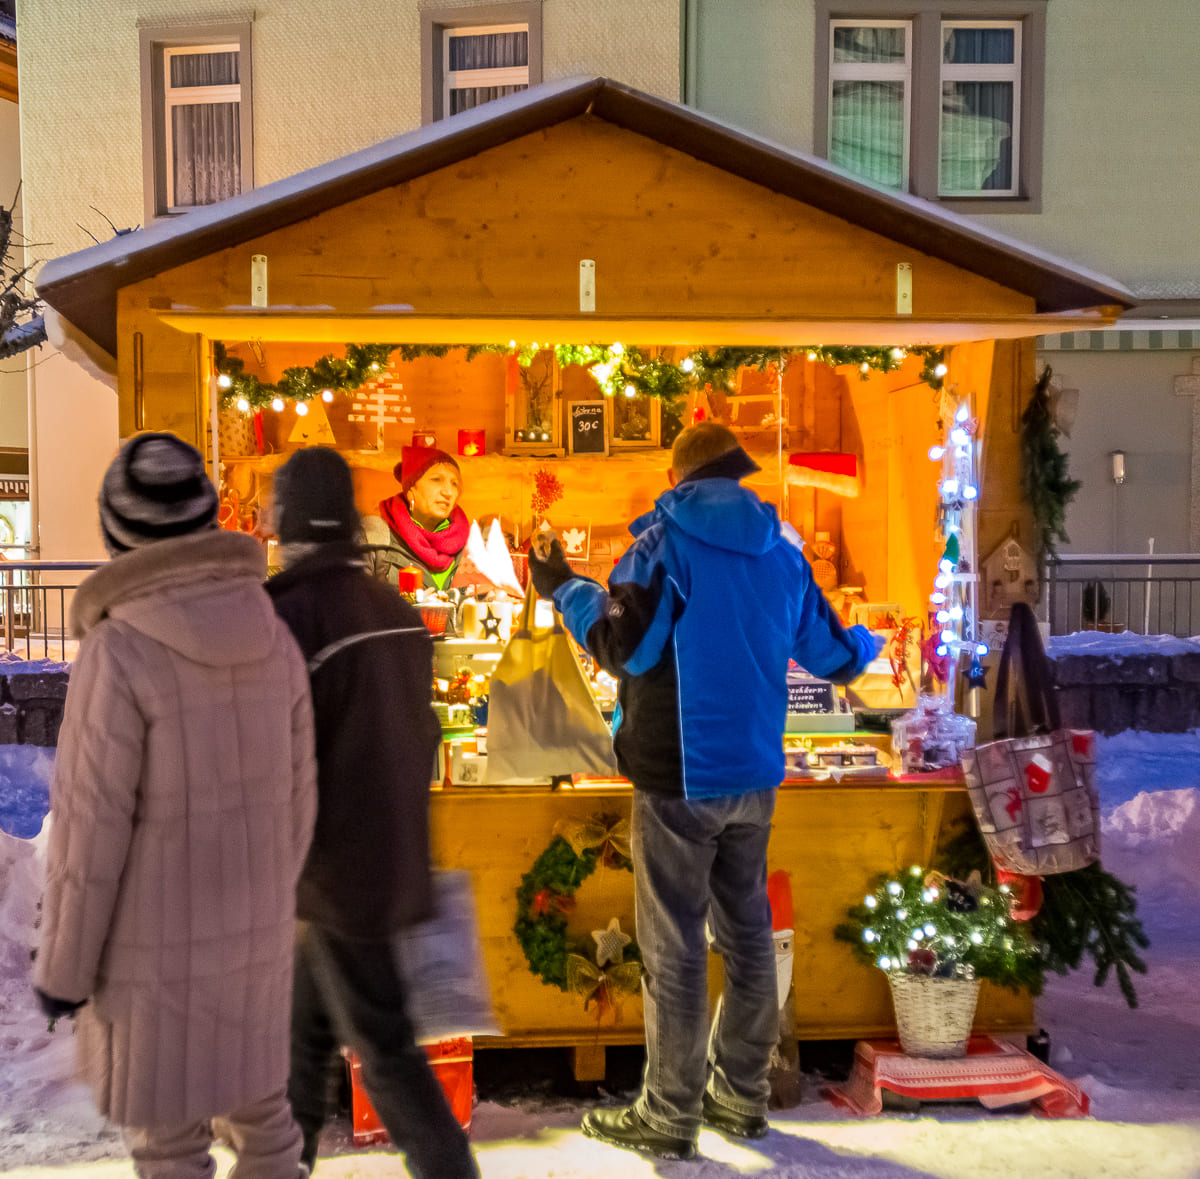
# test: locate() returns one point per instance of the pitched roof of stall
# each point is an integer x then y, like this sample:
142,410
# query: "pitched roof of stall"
83,286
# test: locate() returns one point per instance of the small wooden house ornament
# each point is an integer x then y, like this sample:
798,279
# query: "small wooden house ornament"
1009,575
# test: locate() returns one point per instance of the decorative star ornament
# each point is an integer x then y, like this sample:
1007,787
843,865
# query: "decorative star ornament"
489,625
610,943
976,676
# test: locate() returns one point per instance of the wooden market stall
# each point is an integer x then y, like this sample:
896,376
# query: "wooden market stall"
584,212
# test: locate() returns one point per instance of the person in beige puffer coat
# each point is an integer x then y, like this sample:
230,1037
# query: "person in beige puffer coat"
182,807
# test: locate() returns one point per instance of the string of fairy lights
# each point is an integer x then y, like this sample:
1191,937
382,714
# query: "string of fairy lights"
955,584
618,369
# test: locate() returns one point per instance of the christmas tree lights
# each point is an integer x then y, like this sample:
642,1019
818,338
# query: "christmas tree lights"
925,923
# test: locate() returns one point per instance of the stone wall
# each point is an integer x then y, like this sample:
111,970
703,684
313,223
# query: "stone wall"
1153,692
31,707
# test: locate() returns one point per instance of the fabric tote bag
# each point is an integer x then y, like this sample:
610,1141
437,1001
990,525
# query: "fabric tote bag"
543,720
1033,788
442,966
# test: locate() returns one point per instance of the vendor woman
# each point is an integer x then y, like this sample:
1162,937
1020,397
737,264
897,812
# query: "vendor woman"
423,525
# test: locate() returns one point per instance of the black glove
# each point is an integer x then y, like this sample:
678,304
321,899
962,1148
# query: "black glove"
551,571
54,1009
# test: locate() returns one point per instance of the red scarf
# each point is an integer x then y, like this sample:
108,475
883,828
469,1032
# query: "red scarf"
435,550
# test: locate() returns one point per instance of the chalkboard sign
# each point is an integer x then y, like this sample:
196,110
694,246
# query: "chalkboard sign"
587,431
807,694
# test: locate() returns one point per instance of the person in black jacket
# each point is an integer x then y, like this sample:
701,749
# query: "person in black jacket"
370,662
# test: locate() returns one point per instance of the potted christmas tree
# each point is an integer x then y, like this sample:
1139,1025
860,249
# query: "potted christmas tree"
936,939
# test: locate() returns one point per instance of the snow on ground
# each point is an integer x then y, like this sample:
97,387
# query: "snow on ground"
1141,1068
1125,642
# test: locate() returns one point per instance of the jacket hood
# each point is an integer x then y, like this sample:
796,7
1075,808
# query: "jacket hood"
719,512
199,595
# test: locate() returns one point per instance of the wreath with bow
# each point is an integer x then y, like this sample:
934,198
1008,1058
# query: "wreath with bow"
613,970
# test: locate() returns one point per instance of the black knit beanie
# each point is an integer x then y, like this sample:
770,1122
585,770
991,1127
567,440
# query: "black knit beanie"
155,488
314,498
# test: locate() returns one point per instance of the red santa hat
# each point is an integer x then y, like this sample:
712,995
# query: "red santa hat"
416,460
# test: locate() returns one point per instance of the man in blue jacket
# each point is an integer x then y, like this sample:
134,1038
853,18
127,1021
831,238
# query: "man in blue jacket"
698,623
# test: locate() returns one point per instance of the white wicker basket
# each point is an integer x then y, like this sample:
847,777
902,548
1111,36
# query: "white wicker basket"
933,1015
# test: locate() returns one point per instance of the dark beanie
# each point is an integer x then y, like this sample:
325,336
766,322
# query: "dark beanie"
314,498
155,488
416,460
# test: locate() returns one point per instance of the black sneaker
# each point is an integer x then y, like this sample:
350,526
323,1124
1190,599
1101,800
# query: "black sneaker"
623,1127
728,1121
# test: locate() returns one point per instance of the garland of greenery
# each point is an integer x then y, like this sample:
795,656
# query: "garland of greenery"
1044,479
619,370
542,929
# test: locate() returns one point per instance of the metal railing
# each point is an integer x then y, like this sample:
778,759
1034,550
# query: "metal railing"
35,606
1150,594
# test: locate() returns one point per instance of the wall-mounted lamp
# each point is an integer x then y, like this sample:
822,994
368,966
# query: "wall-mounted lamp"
1118,466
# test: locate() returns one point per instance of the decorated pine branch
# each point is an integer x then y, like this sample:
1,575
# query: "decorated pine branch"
1044,473
1087,912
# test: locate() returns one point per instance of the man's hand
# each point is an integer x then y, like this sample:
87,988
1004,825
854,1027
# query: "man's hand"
55,1009
548,566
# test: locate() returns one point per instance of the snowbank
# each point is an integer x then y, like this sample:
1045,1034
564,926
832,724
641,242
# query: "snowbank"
1115,646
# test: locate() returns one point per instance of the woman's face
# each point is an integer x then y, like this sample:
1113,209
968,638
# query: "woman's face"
432,497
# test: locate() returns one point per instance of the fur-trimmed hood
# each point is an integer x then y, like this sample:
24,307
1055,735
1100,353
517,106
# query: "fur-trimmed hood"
184,591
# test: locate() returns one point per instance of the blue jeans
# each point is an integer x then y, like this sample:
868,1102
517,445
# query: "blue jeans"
694,860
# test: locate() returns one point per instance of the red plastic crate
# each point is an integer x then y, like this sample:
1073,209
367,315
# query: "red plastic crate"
452,1062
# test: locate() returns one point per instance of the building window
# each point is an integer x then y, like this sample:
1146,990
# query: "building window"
196,113
471,55
919,99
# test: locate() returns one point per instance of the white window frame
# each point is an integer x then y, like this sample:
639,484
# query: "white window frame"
176,96
982,72
472,79
869,71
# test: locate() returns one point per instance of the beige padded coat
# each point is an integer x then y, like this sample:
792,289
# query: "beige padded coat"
182,806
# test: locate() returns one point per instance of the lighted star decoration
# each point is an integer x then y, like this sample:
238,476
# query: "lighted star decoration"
489,625
610,943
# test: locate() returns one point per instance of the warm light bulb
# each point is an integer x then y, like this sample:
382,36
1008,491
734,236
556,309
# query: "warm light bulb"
374,366
326,394
812,356
897,353
917,934
959,436
618,349
301,409
894,889
936,452
243,404
956,612
982,649
942,616
970,492
870,902
868,935
884,963
630,391
946,565
224,380
950,487
277,405
941,651
940,371
688,364
930,929
937,599
913,944
942,580
864,367
962,413
948,636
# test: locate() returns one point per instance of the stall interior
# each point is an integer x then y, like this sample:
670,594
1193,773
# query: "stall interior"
577,439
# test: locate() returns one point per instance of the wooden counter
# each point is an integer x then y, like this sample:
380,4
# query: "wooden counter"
832,839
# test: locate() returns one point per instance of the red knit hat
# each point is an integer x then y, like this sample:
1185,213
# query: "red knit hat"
416,460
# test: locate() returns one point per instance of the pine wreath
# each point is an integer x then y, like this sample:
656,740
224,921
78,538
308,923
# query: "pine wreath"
547,894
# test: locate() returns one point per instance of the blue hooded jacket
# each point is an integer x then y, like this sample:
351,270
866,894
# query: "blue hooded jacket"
698,623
